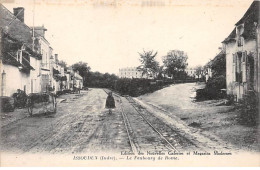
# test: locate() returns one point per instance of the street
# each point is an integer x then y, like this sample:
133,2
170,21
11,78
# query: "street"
83,125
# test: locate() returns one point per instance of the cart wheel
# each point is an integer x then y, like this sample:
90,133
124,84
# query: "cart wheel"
30,110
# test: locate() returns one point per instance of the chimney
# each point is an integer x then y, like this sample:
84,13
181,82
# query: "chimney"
56,58
40,30
19,13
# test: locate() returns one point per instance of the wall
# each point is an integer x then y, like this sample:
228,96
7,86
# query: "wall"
258,55
231,48
45,51
15,80
35,75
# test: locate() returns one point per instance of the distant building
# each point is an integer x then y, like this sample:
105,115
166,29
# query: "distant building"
130,72
191,72
242,54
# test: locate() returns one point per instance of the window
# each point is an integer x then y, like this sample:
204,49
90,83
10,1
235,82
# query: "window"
239,67
240,41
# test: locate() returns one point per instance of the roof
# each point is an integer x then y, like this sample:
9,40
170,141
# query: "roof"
231,36
221,54
250,17
252,13
15,28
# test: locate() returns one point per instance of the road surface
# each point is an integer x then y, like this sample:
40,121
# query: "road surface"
82,125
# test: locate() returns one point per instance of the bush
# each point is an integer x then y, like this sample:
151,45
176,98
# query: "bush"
66,91
249,109
20,99
137,87
58,93
7,104
212,89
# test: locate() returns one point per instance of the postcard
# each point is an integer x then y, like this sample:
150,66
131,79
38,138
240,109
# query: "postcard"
127,83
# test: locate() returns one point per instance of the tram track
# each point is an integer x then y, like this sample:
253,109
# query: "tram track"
135,146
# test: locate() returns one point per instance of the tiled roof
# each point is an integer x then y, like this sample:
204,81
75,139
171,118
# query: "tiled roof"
16,29
231,36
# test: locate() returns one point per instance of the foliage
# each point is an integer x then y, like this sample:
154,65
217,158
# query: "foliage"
63,64
219,65
6,104
212,89
83,69
149,66
216,82
174,62
20,99
249,109
97,79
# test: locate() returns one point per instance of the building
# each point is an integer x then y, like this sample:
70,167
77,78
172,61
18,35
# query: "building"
191,72
19,57
46,52
75,80
57,76
242,54
130,72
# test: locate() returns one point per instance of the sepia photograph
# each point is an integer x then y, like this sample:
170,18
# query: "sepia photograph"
126,83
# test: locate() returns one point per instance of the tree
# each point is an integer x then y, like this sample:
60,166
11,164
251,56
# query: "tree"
81,67
83,70
63,64
219,65
174,62
161,72
149,66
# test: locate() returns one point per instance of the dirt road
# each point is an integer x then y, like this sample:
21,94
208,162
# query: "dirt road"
81,124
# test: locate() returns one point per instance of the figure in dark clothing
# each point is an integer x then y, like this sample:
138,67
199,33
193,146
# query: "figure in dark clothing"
110,102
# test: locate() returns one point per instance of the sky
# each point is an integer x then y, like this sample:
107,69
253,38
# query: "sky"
109,34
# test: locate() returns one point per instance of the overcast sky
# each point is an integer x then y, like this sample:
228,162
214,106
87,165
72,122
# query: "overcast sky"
109,37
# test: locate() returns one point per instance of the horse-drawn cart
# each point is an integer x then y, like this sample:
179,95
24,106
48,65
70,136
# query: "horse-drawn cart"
41,103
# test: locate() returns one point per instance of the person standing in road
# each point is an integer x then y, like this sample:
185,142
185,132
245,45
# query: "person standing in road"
110,102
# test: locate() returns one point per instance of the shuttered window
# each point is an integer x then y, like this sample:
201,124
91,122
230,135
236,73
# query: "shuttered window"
234,67
244,66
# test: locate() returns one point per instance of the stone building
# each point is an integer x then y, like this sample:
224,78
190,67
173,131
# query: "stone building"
242,54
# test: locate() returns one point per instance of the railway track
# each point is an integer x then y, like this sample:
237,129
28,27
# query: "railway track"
164,138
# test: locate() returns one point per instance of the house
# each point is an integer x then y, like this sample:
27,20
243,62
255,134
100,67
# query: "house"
242,54
19,57
191,72
78,80
46,52
57,74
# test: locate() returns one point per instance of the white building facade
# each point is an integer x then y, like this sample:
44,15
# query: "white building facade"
130,72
